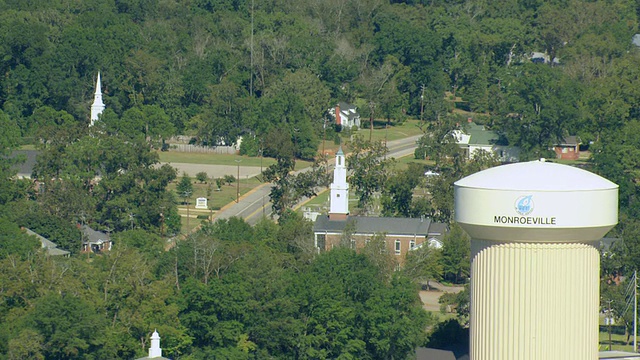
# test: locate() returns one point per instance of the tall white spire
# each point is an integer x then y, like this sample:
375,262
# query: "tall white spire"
155,351
98,106
339,206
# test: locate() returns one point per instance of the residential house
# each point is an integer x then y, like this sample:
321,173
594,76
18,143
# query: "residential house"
568,148
543,58
473,137
345,114
94,241
401,234
49,246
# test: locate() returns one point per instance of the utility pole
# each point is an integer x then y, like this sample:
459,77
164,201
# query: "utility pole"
635,311
238,181
372,106
609,320
187,195
421,104
324,132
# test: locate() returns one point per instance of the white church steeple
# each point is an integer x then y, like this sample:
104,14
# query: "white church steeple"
339,202
98,106
155,351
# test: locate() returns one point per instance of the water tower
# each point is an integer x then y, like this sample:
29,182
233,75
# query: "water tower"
535,265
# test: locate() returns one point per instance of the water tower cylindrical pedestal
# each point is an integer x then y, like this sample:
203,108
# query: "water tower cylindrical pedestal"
535,265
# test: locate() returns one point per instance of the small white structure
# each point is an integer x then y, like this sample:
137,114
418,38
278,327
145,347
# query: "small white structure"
201,203
339,203
98,106
535,264
155,352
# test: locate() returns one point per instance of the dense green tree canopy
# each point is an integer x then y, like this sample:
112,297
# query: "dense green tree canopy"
268,71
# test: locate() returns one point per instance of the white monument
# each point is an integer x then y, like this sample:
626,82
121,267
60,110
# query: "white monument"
201,203
534,259
98,106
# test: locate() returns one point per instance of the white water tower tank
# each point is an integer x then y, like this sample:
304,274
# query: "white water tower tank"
535,265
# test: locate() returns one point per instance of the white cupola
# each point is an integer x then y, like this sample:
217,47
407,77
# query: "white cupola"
155,351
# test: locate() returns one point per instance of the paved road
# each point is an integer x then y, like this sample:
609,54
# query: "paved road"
255,204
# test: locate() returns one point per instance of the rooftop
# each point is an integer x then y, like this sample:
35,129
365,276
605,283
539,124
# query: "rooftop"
373,225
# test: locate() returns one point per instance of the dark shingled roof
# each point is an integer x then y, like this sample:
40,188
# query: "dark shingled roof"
50,247
569,140
93,235
24,169
372,225
434,354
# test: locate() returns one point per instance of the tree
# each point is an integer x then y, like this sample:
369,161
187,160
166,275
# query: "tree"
378,254
439,143
540,105
202,177
14,242
369,168
288,188
61,231
456,257
27,345
70,327
184,188
423,264
394,320
398,192
9,136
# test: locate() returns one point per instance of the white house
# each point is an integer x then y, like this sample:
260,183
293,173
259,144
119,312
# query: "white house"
473,137
345,114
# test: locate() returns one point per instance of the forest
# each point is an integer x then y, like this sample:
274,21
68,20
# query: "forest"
268,71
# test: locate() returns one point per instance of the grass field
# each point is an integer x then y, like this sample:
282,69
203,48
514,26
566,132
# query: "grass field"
221,159
618,342
391,133
216,199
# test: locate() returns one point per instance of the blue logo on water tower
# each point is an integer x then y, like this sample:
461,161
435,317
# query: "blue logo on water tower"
524,205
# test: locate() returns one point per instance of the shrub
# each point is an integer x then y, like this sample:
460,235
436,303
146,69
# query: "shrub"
229,179
202,177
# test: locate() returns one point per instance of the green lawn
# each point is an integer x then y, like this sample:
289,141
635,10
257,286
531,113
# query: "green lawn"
403,162
393,132
217,199
618,341
221,159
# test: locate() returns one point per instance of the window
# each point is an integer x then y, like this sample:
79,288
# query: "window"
339,160
398,247
353,244
367,241
412,244
321,242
